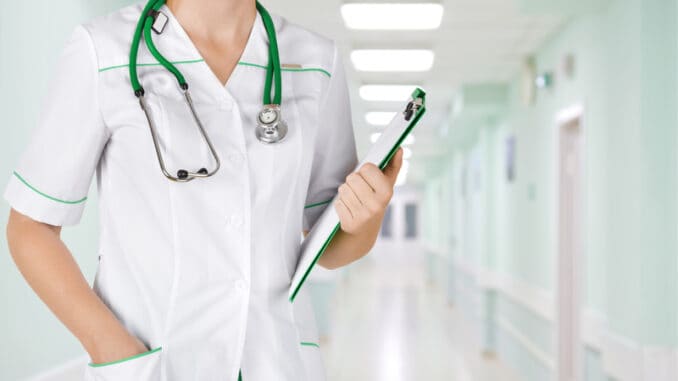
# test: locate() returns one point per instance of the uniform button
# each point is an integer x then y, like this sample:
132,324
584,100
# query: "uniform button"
225,103
235,220
235,157
240,284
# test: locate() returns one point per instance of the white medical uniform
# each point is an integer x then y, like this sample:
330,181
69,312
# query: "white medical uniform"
198,269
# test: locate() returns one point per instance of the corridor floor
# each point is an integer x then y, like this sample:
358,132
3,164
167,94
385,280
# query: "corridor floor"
388,324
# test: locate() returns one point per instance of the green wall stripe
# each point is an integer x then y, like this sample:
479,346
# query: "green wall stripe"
46,195
318,204
241,63
310,344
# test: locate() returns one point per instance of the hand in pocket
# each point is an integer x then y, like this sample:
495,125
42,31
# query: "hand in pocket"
143,366
113,350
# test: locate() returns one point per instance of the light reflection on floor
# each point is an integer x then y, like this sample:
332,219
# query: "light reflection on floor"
388,324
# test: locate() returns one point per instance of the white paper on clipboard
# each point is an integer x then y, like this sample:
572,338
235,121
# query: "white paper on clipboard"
380,153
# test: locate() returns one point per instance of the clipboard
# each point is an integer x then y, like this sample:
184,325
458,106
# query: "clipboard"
380,153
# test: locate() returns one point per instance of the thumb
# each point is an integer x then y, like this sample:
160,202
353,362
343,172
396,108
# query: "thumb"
393,167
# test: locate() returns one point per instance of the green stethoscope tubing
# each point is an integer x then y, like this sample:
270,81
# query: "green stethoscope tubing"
145,24
271,128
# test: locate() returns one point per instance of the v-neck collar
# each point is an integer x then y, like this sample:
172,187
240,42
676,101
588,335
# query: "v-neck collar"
186,47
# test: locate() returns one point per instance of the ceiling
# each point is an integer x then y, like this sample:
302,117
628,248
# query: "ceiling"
479,41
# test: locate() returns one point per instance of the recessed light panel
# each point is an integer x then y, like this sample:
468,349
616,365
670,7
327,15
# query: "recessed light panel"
392,16
392,59
402,175
386,93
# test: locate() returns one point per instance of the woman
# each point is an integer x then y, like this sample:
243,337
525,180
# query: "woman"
192,277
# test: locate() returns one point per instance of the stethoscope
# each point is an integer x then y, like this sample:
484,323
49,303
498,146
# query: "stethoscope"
271,128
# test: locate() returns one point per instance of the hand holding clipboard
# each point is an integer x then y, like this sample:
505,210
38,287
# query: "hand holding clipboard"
380,154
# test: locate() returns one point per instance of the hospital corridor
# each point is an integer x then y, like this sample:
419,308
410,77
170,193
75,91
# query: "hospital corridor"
532,231
391,323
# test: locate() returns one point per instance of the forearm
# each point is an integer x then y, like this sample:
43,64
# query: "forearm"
347,247
50,270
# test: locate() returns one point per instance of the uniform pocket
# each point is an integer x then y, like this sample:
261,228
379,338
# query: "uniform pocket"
142,367
307,334
313,360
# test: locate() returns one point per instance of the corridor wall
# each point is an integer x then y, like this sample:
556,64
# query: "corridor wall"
31,36
625,78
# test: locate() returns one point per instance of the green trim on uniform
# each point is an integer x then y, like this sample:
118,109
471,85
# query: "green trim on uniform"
125,359
46,195
310,344
327,73
241,63
318,204
150,64
240,375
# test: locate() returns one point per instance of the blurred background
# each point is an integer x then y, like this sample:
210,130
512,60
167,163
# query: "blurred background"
534,232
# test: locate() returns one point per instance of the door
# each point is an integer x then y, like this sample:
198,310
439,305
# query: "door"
569,251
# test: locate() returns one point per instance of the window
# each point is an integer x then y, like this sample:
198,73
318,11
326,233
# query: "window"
410,220
386,229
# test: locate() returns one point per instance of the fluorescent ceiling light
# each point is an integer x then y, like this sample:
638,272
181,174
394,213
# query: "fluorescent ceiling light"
401,179
389,93
402,175
407,152
390,16
379,118
392,59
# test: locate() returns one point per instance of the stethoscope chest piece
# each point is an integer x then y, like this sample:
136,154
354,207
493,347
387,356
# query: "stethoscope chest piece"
271,128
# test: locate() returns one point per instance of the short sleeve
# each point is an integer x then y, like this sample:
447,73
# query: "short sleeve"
335,153
54,171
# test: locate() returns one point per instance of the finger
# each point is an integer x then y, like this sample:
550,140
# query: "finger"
371,201
350,199
360,187
342,211
393,167
375,178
